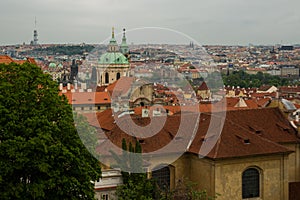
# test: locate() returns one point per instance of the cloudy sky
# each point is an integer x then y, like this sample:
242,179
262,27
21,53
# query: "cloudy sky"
206,21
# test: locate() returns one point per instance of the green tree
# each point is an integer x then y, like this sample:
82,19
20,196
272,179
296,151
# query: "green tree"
41,154
87,133
136,186
242,79
187,190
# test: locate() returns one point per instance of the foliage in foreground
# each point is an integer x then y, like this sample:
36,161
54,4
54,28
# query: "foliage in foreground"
186,190
136,186
41,154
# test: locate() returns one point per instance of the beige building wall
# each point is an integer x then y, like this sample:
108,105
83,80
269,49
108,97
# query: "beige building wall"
203,173
273,183
112,70
294,162
204,94
142,94
225,176
182,169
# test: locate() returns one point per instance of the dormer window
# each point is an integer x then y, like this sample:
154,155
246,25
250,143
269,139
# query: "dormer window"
255,129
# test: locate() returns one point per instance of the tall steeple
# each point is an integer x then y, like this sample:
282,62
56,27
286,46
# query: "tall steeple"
113,32
124,37
124,46
113,45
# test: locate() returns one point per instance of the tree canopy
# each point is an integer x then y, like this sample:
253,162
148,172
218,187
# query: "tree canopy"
41,154
245,80
136,186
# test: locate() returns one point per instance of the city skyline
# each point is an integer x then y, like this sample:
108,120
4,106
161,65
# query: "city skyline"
233,22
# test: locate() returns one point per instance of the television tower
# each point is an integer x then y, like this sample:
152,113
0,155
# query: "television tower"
35,35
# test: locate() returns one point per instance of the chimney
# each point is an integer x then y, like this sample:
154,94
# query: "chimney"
156,112
83,86
145,112
60,86
68,86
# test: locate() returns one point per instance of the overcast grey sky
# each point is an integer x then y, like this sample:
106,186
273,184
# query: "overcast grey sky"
207,21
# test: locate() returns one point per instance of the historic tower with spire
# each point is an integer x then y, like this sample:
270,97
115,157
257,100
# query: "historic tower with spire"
113,64
124,47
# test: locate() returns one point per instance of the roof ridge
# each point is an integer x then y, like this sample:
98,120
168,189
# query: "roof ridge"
259,108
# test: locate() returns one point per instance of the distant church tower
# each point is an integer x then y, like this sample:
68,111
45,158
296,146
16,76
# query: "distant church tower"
124,47
35,35
113,64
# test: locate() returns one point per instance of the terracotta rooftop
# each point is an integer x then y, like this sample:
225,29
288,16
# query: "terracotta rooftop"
203,86
235,103
263,102
121,86
87,98
264,88
289,89
234,141
263,95
245,132
5,59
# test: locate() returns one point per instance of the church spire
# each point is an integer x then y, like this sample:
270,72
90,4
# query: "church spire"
113,32
124,46
113,46
124,37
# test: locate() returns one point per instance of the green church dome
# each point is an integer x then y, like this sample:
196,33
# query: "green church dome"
113,58
52,65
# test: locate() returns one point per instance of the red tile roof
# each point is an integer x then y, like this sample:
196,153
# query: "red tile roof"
5,59
289,89
203,86
264,87
245,133
105,120
87,98
120,86
263,102
271,122
234,141
263,95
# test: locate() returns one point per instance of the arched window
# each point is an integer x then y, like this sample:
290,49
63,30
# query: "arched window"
162,177
106,78
118,75
251,183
